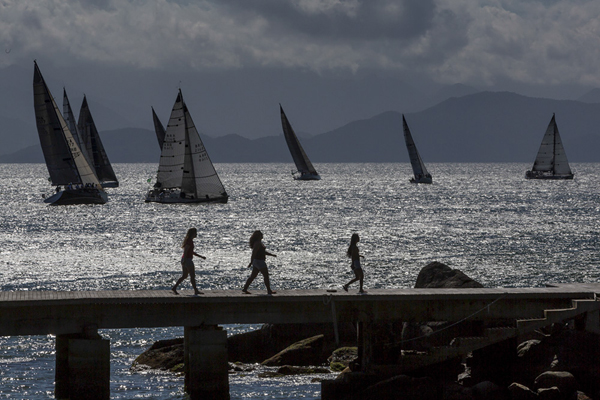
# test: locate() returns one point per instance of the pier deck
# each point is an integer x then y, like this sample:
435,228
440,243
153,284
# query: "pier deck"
83,356
54,312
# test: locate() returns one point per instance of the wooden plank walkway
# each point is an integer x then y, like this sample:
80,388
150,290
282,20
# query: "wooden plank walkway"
45,312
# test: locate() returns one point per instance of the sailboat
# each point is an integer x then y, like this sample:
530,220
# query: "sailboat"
185,172
69,117
305,170
158,128
419,170
70,172
94,147
551,161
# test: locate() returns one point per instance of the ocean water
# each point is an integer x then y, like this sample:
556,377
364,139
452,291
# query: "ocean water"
484,219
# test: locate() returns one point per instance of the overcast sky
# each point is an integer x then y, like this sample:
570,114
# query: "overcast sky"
553,45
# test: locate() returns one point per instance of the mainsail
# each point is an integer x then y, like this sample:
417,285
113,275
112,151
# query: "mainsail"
64,159
303,164
185,164
158,128
551,160
70,119
419,170
94,148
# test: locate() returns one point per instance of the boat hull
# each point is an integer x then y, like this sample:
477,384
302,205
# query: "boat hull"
307,177
544,175
110,184
421,180
78,196
175,198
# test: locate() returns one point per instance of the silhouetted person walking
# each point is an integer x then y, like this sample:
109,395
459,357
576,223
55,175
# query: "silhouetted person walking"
356,268
258,262
187,260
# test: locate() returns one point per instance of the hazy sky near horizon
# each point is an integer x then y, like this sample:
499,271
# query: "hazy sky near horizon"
489,44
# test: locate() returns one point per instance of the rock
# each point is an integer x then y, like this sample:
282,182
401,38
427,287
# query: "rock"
489,391
293,370
341,358
580,396
258,345
521,392
552,393
564,381
305,352
164,355
404,387
438,275
454,391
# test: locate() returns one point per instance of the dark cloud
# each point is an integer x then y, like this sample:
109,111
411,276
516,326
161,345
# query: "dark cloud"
362,20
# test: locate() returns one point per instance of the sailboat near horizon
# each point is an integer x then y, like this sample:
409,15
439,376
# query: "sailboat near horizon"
88,139
304,168
551,160
419,170
70,172
185,172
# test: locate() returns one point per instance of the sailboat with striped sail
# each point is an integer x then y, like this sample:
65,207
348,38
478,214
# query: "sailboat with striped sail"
304,168
551,160
421,175
185,172
70,172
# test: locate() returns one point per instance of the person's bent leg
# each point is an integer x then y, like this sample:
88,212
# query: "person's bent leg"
250,279
265,273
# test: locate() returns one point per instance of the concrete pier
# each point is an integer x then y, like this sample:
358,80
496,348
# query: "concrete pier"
82,357
82,367
206,368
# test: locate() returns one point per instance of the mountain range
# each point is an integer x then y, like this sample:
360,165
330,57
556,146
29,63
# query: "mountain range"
476,127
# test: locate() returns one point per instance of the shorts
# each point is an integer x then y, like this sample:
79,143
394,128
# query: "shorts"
259,264
187,264
356,264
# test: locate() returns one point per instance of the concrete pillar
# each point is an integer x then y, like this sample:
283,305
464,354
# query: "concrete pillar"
365,345
206,368
82,367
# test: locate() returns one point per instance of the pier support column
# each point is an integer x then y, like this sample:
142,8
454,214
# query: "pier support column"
82,367
365,345
206,368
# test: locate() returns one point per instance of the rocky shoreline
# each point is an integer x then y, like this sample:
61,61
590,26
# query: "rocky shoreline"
560,362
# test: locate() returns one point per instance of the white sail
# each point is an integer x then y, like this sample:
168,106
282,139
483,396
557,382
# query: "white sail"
170,168
185,172
199,175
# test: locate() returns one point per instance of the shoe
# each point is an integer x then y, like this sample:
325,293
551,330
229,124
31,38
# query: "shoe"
197,292
272,292
174,291
362,292
245,291
346,288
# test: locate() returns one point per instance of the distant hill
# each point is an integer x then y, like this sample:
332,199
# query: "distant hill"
593,96
481,127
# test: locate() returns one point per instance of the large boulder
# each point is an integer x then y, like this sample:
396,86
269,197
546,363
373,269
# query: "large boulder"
439,275
564,381
420,335
263,343
303,353
164,355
